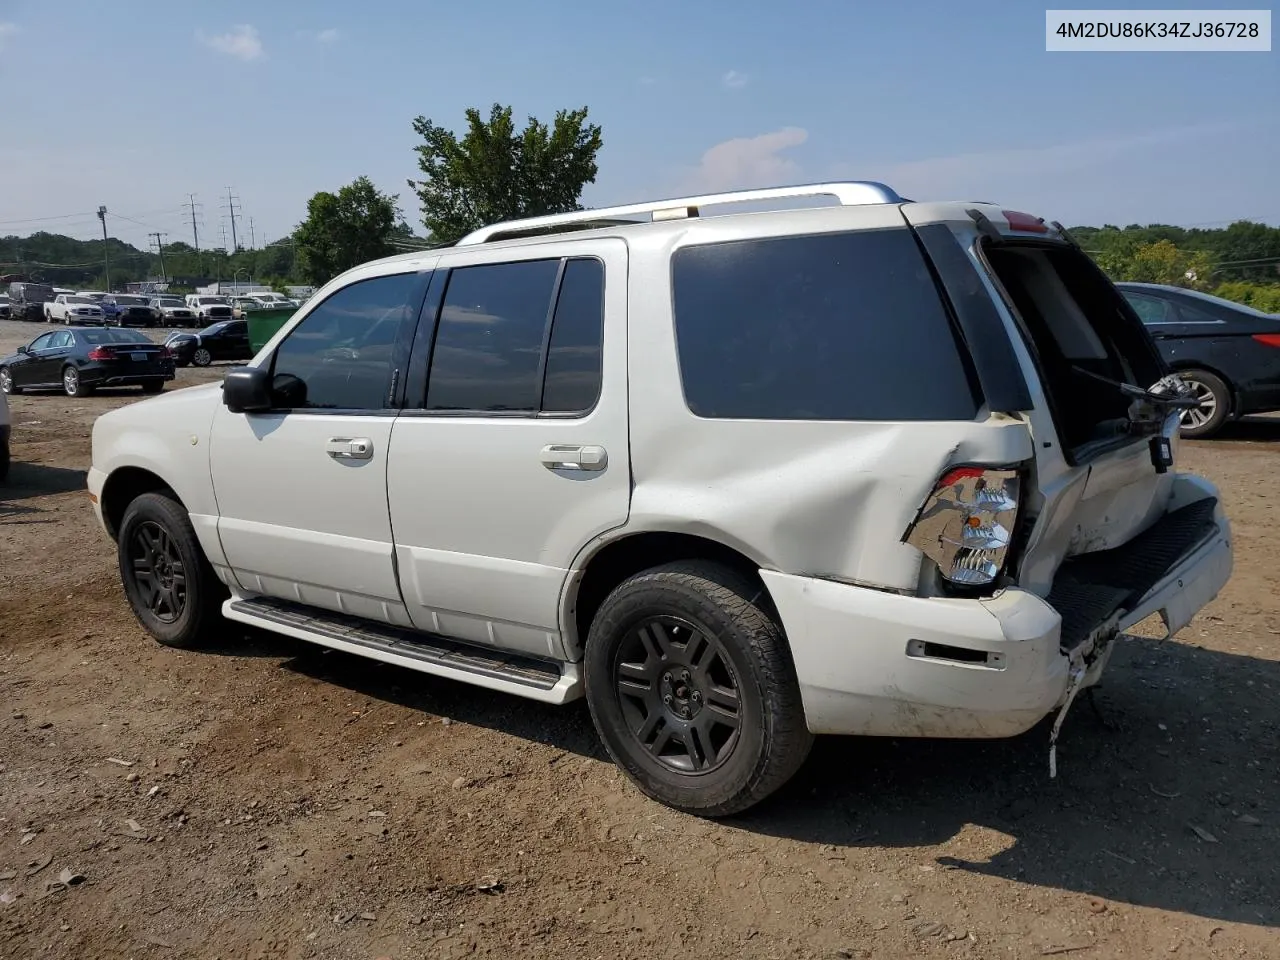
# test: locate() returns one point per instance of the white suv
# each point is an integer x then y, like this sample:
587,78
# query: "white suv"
882,468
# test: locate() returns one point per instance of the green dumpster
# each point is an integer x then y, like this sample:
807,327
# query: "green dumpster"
263,324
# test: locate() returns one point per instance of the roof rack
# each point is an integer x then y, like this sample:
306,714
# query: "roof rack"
847,193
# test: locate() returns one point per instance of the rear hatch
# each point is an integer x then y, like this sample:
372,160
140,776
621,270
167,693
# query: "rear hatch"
1097,483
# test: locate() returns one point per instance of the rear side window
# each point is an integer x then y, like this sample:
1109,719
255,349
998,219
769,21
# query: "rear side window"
1148,309
572,382
844,326
489,340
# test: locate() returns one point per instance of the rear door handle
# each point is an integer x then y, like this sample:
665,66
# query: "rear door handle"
349,448
564,456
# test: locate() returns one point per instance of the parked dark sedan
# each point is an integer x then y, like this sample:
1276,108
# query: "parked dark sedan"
1229,353
224,340
79,360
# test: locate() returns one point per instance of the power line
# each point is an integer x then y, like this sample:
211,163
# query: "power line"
195,233
160,249
231,210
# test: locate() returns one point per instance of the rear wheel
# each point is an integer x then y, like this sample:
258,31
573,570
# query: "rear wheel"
1215,404
693,691
71,384
170,585
153,387
6,382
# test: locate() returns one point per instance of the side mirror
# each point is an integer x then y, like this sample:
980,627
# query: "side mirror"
24,349
247,390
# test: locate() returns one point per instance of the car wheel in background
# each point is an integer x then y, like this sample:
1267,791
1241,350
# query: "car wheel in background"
71,384
170,585
1215,404
202,357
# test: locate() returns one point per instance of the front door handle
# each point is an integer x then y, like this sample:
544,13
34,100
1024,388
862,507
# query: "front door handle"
349,448
565,456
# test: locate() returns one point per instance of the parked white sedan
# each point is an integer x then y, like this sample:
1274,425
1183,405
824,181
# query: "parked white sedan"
72,308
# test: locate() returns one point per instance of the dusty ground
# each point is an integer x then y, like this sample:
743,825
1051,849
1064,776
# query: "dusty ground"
270,799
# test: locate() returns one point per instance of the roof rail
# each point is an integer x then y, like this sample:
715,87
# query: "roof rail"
848,193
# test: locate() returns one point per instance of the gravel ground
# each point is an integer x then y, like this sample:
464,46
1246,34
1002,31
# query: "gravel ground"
270,799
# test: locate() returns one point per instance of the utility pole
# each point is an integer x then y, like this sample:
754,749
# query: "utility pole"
253,245
195,233
231,210
106,254
160,247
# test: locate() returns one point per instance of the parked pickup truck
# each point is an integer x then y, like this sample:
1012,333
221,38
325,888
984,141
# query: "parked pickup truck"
72,308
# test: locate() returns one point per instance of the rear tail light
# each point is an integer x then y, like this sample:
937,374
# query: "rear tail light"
1270,339
966,526
1024,222
102,353
166,353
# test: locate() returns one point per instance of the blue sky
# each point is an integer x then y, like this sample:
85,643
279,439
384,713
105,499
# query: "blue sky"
135,104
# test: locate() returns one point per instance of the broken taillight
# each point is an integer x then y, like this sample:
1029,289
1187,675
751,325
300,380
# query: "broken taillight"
966,525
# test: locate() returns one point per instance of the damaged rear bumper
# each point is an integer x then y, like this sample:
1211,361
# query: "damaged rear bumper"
881,664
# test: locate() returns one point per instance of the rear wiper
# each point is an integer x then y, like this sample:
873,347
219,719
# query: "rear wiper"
1178,396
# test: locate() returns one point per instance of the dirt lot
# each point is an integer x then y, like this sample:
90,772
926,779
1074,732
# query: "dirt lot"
270,799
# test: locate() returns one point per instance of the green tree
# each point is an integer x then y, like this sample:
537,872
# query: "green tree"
497,173
1162,262
344,229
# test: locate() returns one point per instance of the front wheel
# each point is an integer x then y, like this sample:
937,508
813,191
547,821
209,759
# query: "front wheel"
202,357
1214,397
6,382
693,690
170,585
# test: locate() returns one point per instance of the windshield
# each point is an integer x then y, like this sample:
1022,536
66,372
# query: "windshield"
79,300
171,302
215,328
213,300
131,301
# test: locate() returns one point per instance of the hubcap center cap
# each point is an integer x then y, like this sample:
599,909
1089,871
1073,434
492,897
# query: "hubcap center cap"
681,693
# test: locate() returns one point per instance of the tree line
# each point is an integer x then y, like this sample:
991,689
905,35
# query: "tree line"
497,171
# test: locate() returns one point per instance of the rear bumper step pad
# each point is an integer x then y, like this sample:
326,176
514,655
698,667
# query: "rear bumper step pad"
1091,587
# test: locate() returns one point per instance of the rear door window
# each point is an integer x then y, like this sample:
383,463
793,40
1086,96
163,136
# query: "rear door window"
1149,309
838,326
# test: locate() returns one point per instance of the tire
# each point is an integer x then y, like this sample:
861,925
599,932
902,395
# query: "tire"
178,600
202,357
740,680
6,383
71,384
4,460
1215,407
155,387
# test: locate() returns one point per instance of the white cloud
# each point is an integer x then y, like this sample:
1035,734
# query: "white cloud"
749,162
734,80
241,41
7,30
328,36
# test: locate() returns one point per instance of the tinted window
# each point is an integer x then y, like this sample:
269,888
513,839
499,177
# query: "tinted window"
41,343
1189,314
572,382
63,339
828,327
1148,309
343,352
489,341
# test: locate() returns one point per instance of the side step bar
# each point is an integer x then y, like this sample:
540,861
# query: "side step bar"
543,680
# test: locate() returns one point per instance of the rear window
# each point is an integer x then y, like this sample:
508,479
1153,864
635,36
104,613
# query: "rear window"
843,326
